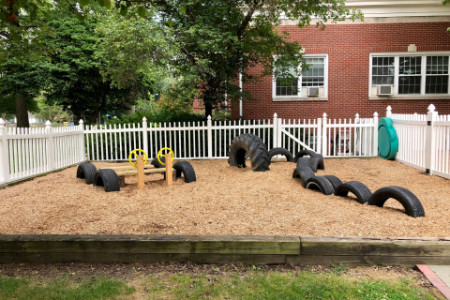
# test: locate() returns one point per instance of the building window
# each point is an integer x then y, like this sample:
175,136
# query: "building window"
410,74
314,76
437,75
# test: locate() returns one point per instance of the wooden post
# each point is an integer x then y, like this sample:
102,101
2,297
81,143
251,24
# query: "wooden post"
169,171
140,171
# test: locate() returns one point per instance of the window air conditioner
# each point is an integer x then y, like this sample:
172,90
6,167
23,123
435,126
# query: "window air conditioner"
313,91
384,90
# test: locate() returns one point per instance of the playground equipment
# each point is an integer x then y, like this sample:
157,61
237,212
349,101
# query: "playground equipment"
113,178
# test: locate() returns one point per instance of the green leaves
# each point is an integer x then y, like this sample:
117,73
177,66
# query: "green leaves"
142,11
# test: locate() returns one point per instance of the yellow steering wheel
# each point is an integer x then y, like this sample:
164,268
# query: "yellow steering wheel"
134,152
164,155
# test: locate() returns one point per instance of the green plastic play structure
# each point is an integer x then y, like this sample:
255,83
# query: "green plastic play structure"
387,139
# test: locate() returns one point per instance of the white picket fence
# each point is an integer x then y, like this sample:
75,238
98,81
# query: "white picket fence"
211,139
25,152
28,152
424,140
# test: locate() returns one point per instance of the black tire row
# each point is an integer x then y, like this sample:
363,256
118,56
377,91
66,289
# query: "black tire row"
110,181
308,162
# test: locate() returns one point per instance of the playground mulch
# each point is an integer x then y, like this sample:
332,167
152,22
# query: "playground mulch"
227,201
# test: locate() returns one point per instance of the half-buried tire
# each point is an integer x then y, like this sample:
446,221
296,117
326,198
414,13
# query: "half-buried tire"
155,162
334,180
184,168
320,183
281,151
303,162
108,179
316,163
359,189
304,174
252,146
305,152
87,172
413,206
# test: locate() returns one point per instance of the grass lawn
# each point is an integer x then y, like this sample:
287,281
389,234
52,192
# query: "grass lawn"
219,282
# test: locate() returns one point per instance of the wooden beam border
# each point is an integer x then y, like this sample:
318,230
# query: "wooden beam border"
292,250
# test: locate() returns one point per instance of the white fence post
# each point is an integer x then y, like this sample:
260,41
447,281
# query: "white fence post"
4,159
144,135
275,130
389,112
319,137
279,134
430,138
82,144
375,134
50,146
209,134
324,135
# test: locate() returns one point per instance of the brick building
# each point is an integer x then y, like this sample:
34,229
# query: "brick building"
398,56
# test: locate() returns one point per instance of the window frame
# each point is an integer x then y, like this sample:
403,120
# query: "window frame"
423,75
299,96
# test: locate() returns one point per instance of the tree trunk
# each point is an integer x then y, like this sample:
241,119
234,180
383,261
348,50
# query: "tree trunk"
21,110
208,109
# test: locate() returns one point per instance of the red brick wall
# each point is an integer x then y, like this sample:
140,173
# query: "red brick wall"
348,47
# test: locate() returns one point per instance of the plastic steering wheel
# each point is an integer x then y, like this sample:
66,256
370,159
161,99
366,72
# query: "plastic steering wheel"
164,155
134,152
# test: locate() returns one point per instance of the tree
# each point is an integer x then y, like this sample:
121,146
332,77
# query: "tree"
217,39
74,78
22,32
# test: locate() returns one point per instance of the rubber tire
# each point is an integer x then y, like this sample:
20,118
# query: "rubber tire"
87,172
185,168
281,151
413,206
302,153
316,163
108,179
156,163
304,174
321,183
334,180
359,189
303,162
254,147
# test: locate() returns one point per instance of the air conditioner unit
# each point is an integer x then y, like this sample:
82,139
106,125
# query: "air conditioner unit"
384,90
313,91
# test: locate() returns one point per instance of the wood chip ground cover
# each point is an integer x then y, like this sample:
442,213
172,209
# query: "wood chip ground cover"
227,201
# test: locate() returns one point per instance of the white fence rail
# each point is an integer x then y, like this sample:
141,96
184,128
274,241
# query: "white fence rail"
210,139
424,140
25,152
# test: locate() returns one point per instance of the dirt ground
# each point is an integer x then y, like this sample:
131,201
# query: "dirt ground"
228,201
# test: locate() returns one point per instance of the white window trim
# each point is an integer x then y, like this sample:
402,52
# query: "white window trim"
395,94
299,96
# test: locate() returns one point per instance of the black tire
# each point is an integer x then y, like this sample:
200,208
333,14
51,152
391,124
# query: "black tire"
87,172
316,163
185,168
335,181
252,146
359,189
302,153
304,174
156,163
303,162
413,206
108,179
320,183
281,151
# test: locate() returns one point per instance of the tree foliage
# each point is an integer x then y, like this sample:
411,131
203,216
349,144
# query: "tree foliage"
217,39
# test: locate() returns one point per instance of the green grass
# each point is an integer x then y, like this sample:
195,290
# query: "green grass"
274,285
63,288
254,284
